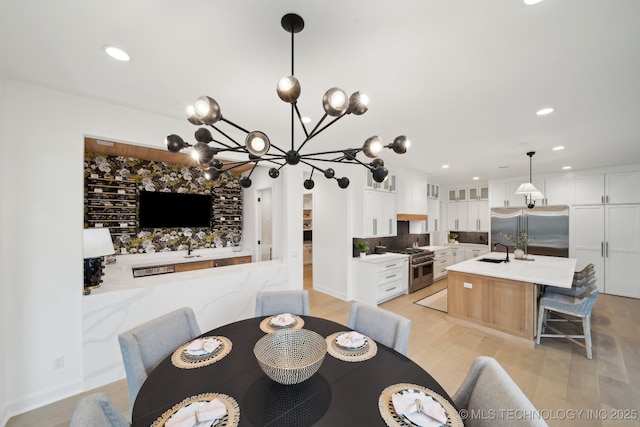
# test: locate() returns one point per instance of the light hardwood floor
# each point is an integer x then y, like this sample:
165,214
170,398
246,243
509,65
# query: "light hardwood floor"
556,376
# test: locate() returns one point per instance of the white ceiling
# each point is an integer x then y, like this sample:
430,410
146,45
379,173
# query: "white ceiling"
461,78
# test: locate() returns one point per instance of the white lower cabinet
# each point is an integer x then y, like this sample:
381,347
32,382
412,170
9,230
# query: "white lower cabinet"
379,281
609,237
442,259
470,253
461,253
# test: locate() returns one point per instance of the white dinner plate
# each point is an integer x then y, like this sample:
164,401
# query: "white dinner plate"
419,419
281,321
190,410
354,346
203,352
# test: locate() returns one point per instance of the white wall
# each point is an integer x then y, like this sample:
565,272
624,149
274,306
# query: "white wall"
332,232
3,256
42,184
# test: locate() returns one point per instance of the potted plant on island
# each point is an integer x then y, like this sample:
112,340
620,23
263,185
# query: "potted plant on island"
453,237
362,246
520,241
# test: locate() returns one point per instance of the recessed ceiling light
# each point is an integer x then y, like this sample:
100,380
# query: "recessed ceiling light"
544,111
531,2
116,53
445,166
306,120
475,178
558,148
566,167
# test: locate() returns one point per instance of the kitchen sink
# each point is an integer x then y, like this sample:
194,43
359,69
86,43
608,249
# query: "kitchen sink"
493,260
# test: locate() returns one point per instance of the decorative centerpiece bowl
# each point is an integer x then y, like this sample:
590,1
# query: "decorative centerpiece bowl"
290,356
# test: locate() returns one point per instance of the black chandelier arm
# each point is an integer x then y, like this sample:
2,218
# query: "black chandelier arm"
315,133
322,153
222,119
304,128
313,167
226,136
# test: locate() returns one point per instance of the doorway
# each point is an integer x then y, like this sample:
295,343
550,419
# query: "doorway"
265,225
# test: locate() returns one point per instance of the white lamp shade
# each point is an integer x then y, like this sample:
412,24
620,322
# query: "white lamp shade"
97,242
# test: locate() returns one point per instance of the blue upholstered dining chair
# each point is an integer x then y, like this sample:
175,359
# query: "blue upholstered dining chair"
146,345
97,410
489,392
386,327
571,309
278,302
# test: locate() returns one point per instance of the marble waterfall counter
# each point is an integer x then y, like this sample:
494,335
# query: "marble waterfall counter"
502,297
217,295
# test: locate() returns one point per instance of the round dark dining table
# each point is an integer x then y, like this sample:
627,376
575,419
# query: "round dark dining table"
339,394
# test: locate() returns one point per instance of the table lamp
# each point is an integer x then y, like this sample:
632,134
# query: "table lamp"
96,244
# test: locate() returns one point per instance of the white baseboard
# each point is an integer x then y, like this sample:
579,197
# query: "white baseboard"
42,398
331,292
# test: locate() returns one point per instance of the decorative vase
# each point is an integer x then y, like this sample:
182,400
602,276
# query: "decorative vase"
518,253
363,254
452,240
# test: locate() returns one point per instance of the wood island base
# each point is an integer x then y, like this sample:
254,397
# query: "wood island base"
506,307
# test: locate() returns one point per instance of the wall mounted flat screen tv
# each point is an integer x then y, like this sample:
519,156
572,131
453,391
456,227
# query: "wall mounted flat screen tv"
169,210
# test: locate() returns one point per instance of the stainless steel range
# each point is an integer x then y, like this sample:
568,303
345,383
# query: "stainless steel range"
420,267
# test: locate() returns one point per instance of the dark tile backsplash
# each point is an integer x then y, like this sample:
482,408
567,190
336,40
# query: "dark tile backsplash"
403,240
477,237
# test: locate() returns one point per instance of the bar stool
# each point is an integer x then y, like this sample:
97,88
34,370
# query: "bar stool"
574,310
585,271
574,291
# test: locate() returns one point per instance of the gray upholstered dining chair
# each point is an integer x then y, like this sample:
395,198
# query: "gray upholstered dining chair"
144,346
97,410
278,302
386,327
491,398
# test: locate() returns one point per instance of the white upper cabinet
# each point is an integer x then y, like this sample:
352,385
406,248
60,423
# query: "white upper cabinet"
378,215
610,188
556,191
478,218
458,194
433,211
433,191
479,193
503,194
412,192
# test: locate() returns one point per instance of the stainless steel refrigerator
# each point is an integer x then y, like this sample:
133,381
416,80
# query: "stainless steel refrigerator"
547,227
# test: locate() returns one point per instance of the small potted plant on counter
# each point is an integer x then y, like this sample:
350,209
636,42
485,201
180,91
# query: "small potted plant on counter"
453,237
520,241
363,248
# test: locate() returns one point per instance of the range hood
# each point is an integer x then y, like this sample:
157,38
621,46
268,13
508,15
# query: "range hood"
412,217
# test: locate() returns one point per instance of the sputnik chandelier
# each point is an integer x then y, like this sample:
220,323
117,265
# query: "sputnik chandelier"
336,104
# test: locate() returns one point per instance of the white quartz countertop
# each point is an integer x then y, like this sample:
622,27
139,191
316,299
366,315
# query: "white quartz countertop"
377,258
543,270
433,248
466,245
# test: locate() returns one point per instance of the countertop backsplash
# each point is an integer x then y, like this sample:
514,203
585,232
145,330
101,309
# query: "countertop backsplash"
476,237
403,240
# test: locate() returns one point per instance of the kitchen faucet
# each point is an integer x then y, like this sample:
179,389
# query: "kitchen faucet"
506,247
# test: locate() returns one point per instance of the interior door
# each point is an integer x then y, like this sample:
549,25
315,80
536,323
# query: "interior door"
622,250
586,236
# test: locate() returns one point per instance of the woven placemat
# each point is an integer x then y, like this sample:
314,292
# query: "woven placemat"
392,419
181,359
267,327
365,352
231,419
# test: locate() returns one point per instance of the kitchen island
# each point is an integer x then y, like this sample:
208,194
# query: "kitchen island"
502,297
